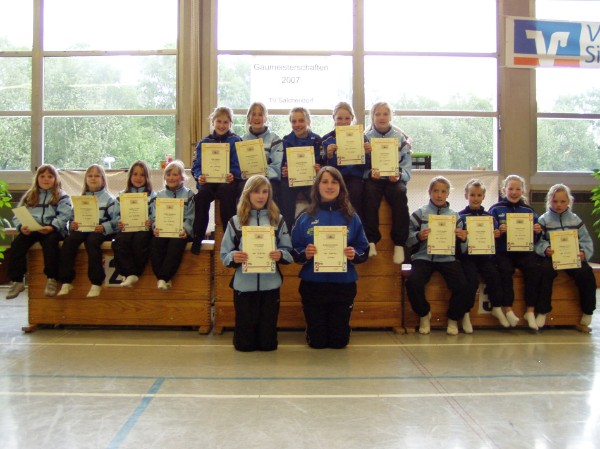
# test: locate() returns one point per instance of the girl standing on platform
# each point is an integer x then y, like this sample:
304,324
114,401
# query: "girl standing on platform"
51,207
343,115
515,202
393,188
94,185
221,121
166,252
132,249
475,265
301,136
257,119
424,264
328,298
255,295
559,217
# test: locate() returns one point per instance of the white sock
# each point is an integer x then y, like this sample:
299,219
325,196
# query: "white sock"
513,319
499,315
65,289
129,280
586,319
452,327
372,250
530,318
161,284
94,291
466,324
425,324
540,320
398,254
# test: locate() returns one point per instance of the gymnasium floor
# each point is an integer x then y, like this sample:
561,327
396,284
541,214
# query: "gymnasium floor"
169,389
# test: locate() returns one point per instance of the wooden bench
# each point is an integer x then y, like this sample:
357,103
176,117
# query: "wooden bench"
378,301
565,302
188,303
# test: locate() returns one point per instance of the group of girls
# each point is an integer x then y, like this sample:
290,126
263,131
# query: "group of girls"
52,208
340,195
461,270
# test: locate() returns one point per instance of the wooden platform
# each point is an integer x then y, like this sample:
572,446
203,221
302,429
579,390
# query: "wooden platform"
188,303
378,301
565,302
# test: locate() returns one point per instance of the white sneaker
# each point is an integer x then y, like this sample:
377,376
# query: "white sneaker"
466,324
530,318
129,281
425,324
540,320
94,291
499,315
15,289
452,327
51,287
65,290
398,254
586,319
372,250
161,285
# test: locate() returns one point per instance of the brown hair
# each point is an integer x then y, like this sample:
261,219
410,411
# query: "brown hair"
342,199
32,196
144,166
244,205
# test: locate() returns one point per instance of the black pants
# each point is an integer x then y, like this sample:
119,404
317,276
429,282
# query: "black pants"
93,246
454,276
17,264
327,309
395,195
356,187
226,193
584,279
486,268
256,320
165,256
528,263
132,251
287,200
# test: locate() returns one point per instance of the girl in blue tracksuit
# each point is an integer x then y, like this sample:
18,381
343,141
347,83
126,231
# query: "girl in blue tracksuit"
328,298
166,252
255,295
257,119
132,249
94,185
301,136
514,201
221,121
559,217
393,188
51,207
424,264
343,115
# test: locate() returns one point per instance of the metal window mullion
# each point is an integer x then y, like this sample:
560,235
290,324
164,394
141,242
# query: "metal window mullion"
37,87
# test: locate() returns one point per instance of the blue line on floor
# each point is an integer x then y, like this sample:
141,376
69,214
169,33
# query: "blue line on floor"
124,431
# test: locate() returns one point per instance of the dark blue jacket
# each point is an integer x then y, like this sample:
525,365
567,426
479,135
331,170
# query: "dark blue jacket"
355,170
234,163
503,207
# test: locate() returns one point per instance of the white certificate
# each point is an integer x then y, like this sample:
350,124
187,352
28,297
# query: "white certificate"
87,212
26,219
134,211
258,242
566,249
350,144
384,156
301,166
442,238
330,242
215,161
252,157
480,238
169,217
519,232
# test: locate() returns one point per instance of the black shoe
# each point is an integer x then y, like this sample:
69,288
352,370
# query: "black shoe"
196,248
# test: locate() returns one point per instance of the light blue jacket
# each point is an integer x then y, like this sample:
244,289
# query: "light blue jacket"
106,204
419,220
552,221
188,207
404,154
46,214
273,149
232,241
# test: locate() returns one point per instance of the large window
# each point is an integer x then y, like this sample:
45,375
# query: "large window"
97,86
568,101
429,59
